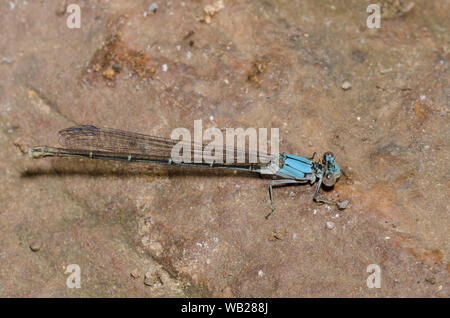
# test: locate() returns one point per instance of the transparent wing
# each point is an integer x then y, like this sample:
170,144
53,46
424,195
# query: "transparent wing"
93,138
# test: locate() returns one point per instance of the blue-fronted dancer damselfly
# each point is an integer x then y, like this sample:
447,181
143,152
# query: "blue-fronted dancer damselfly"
113,144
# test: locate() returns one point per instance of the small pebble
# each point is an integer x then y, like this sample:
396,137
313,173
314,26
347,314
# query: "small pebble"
330,225
153,7
164,67
227,292
35,246
346,85
275,236
150,279
109,74
343,204
431,280
135,273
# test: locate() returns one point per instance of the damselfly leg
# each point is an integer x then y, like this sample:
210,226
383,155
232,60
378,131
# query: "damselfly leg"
279,183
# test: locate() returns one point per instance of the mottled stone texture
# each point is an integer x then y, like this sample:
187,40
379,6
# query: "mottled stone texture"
146,231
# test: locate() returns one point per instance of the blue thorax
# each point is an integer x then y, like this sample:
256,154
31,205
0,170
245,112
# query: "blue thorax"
295,166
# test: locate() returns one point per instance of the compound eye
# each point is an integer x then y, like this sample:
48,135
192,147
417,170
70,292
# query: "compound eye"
329,153
329,180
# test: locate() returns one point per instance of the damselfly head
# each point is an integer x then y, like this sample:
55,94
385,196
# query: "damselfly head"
332,170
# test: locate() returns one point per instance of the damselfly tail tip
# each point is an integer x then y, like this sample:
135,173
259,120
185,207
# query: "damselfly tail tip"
36,152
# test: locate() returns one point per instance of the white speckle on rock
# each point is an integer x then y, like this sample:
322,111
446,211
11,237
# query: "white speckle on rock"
188,55
7,60
260,273
386,70
153,7
346,85
165,67
330,225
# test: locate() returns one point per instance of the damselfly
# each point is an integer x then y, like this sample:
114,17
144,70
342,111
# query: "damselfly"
113,144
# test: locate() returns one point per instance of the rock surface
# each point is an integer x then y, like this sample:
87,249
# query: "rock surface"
252,64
